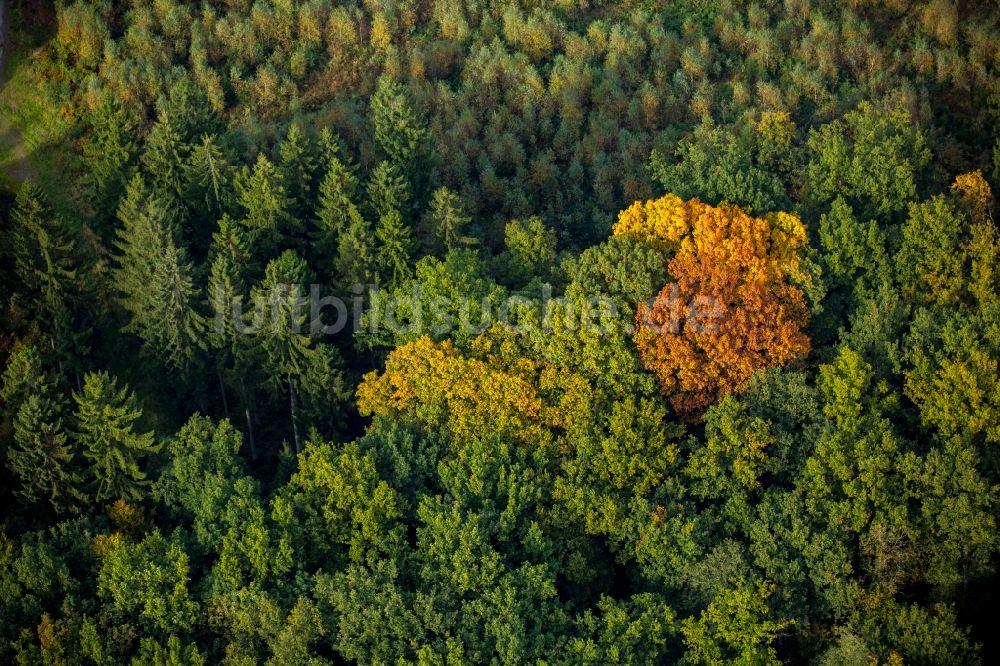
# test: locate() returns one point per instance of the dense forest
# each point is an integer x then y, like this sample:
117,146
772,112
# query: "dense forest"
451,332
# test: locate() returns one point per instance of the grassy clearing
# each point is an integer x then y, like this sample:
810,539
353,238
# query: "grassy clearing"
35,137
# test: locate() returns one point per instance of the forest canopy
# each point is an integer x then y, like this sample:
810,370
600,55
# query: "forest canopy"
468,332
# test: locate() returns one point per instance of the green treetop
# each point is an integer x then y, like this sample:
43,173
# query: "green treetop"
106,419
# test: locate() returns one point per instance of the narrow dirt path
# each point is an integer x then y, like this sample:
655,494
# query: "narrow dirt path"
14,153
3,32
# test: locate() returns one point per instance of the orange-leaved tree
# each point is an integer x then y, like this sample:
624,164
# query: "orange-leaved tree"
733,307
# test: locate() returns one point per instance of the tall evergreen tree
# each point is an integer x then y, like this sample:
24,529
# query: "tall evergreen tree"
144,221
43,248
298,164
356,258
44,259
226,284
182,329
189,108
336,208
209,176
153,280
329,147
261,193
164,158
42,457
394,250
387,191
324,390
448,220
336,199
109,159
106,419
402,134
284,339
23,376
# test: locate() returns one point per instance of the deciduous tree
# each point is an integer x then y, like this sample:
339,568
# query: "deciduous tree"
733,309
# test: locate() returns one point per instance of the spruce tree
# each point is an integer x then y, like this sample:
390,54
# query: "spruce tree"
324,389
42,457
336,199
387,191
189,108
23,376
226,284
182,329
402,134
44,260
209,176
298,163
448,220
261,193
394,249
109,160
43,248
329,147
335,210
106,419
355,260
144,221
154,281
164,160
284,339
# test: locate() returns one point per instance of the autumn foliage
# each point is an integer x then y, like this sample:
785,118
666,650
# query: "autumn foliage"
487,392
444,387
974,193
732,309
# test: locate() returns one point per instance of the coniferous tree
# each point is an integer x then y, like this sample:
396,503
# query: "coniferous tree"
144,222
154,282
44,260
23,376
324,390
43,249
399,131
261,193
42,457
209,176
189,108
284,339
448,220
226,284
387,191
329,146
336,209
226,287
106,419
109,157
182,329
164,158
395,245
298,164
402,134
356,256
336,199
